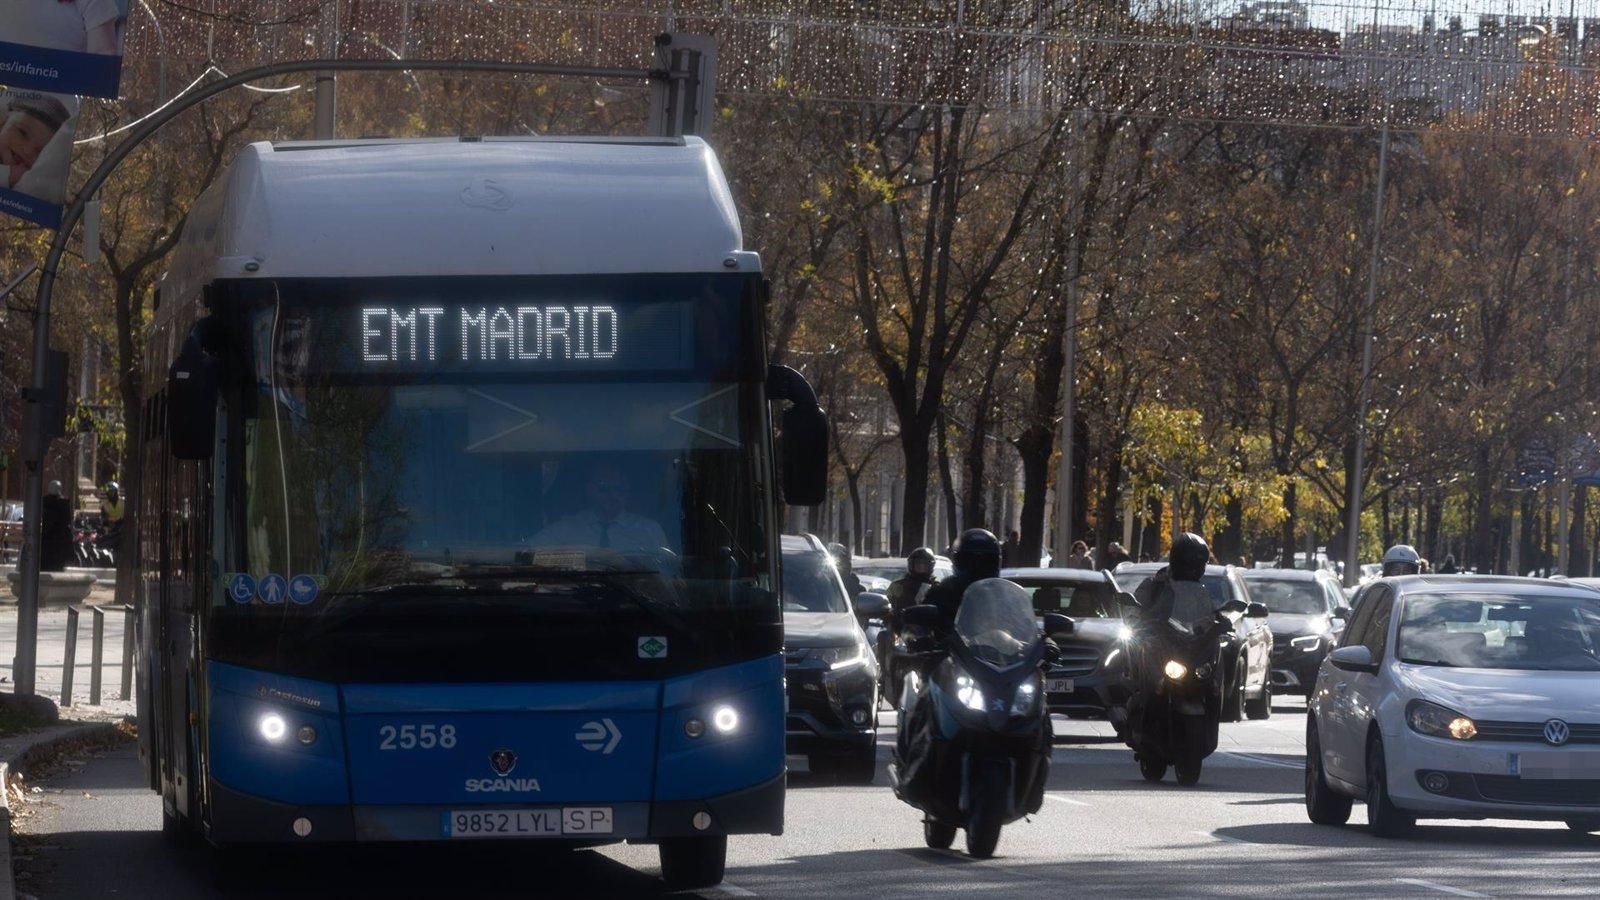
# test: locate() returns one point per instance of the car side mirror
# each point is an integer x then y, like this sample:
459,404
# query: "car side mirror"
803,445
1236,607
871,605
1127,601
1057,624
192,403
1256,611
1343,612
1355,658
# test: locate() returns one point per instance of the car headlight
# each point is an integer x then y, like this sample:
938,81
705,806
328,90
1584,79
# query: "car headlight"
1307,643
1433,719
838,658
1026,699
968,692
1176,670
1124,633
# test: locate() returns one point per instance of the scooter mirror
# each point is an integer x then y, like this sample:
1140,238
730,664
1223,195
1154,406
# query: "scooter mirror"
1058,624
1236,606
1256,611
923,615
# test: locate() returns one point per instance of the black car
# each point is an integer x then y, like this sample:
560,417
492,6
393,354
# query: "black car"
1247,650
830,670
1304,621
1089,680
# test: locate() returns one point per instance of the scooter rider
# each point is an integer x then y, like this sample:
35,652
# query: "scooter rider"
908,590
1174,593
1401,559
975,556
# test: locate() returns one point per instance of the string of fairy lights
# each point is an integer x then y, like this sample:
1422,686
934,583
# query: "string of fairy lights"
1496,66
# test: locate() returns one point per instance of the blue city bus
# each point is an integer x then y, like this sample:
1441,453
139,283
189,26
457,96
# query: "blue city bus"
460,503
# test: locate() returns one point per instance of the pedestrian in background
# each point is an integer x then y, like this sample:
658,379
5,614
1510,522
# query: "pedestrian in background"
1116,555
1011,551
55,530
1080,556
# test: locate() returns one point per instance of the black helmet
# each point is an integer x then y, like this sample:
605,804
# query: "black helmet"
1189,556
976,554
841,557
920,562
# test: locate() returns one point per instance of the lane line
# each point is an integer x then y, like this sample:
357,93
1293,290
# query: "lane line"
1442,888
725,890
1223,837
1261,760
1072,800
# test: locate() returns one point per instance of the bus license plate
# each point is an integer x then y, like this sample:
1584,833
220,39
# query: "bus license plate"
1058,686
512,823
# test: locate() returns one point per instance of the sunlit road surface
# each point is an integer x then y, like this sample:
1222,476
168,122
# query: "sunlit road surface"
1103,832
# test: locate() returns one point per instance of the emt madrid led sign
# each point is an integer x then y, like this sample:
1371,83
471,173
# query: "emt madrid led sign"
471,334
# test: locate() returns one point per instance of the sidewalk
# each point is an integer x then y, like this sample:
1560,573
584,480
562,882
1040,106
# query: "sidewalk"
52,654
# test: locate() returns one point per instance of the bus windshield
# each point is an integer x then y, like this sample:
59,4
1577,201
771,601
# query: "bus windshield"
475,500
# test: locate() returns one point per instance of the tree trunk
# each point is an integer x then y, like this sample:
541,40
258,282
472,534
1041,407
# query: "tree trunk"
1577,547
1430,528
1383,515
973,500
1110,500
1035,447
947,485
1483,543
1286,536
914,508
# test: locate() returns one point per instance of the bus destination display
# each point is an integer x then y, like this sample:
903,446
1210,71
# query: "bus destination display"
600,336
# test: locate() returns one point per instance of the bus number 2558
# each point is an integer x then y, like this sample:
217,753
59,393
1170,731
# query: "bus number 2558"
416,737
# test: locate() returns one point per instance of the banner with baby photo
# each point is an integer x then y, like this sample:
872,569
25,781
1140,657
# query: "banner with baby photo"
63,46
35,153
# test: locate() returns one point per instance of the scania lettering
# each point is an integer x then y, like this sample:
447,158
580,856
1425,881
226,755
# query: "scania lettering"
517,468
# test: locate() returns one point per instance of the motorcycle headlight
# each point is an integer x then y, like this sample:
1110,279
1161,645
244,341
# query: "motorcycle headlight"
837,658
1026,699
968,692
1307,643
1433,719
1176,670
1124,633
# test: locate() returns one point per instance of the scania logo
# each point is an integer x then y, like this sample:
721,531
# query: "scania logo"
503,761
1556,732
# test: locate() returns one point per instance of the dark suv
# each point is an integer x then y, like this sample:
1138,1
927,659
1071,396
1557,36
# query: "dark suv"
831,672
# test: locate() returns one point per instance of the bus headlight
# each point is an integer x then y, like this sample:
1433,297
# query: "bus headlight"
272,727
725,719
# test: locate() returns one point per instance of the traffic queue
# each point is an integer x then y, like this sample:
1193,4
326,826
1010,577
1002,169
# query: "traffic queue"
1427,696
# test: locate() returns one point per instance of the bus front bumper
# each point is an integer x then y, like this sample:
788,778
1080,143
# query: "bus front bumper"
238,818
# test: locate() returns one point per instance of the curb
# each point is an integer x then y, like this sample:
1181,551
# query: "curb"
35,747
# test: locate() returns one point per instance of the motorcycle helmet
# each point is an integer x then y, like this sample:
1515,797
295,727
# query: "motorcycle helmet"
976,554
1189,557
53,489
920,563
1401,559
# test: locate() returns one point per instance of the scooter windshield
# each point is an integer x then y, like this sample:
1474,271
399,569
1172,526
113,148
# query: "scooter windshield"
996,622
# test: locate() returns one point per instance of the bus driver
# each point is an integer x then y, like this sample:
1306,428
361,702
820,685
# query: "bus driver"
606,523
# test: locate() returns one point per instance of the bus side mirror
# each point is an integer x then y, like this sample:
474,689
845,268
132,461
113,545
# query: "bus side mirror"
192,404
803,446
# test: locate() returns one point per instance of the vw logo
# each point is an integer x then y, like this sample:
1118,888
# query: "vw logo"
1556,732
503,761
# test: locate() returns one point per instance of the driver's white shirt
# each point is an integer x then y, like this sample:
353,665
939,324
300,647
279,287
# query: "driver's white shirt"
627,532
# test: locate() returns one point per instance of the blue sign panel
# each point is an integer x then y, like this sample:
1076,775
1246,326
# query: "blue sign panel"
65,48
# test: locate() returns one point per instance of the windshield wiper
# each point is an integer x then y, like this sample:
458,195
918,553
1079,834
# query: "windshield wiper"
657,611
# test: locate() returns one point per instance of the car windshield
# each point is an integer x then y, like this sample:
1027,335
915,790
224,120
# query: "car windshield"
890,569
811,583
1216,585
996,622
1080,601
1501,631
1291,596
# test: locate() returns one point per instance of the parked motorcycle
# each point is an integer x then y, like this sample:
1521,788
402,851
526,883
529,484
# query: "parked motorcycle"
1174,712
974,745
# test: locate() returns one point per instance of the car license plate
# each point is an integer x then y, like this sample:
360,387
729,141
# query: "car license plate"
1058,686
1555,765
552,821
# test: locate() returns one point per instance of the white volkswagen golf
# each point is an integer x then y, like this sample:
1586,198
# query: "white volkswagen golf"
1460,697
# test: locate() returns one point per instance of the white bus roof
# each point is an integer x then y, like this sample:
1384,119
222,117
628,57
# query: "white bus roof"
440,207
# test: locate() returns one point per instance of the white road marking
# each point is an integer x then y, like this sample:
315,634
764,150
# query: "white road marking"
1071,800
1263,761
1224,838
725,890
1443,888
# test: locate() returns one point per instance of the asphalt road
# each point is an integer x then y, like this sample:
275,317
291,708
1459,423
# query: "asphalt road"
94,832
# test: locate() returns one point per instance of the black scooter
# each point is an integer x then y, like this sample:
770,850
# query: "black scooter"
1174,714
974,745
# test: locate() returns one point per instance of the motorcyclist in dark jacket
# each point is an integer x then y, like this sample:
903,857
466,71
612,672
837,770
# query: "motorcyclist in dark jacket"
975,556
1174,592
842,562
908,589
